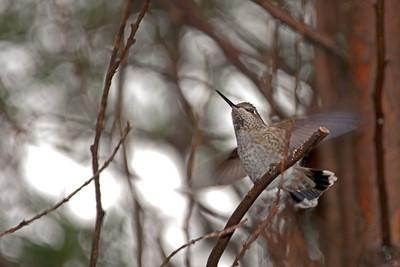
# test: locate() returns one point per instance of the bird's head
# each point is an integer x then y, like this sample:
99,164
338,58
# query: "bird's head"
244,115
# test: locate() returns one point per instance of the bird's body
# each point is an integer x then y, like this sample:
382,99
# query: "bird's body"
258,149
260,145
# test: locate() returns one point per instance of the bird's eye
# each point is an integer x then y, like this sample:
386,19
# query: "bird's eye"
251,110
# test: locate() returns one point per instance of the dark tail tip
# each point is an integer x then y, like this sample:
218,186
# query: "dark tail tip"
308,198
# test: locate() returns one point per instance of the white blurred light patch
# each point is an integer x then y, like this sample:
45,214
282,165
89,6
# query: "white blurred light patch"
220,199
17,64
160,179
84,204
174,235
54,174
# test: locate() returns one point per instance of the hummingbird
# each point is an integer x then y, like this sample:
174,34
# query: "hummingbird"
261,145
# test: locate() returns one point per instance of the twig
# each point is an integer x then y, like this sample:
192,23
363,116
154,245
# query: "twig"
226,231
137,211
24,223
317,37
260,228
194,143
258,188
112,67
173,56
137,208
266,85
379,120
297,76
162,251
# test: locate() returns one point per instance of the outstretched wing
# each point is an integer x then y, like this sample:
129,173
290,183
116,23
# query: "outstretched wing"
223,171
230,169
337,123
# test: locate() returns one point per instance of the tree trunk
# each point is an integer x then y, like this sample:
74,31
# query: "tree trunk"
352,218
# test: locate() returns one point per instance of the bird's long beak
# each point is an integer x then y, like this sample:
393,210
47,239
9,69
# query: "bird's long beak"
230,103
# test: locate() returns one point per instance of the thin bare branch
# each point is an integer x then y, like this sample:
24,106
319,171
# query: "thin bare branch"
195,140
24,223
112,67
214,234
162,251
137,211
258,188
379,120
260,228
190,165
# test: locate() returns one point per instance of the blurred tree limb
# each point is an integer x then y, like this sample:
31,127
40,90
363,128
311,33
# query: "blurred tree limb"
316,37
191,16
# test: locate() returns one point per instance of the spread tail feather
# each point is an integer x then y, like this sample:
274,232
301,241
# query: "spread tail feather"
322,181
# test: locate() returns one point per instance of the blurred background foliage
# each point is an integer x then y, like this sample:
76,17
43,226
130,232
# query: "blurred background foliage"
54,55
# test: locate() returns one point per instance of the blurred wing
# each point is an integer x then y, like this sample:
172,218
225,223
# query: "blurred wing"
338,123
227,170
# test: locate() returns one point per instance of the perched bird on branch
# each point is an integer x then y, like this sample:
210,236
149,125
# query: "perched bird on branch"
261,145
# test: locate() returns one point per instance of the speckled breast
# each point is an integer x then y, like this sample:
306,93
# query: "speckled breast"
258,150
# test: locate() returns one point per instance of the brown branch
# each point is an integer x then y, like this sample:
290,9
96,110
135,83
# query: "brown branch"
112,67
190,165
226,231
260,228
194,144
379,120
24,223
258,188
137,210
266,80
316,37
297,81
173,75
162,252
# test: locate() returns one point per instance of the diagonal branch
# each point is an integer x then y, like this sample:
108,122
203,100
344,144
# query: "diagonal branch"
223,232
258,188
24,223
112,67
260,228
194,18
316,37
